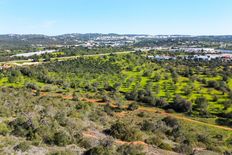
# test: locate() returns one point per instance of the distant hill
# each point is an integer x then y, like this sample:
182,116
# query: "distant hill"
20,41
17,41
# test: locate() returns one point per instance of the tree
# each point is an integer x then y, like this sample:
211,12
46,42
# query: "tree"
230,95
181,105
201,104
213,84
156,78
187,90
157,89
227,104
14,76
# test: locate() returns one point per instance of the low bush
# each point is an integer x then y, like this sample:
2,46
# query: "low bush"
66,152
133,106
130,150
31,86
99,150
23,146
184,148
155,140
23,127
62,138
181,105
4,129
165,146
124,132
171,122
147,126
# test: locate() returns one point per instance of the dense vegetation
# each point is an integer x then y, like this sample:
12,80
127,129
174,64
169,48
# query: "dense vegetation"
102,104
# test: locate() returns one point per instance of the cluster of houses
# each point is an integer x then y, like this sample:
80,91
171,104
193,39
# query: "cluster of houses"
195,50
206,57
161,57
209,57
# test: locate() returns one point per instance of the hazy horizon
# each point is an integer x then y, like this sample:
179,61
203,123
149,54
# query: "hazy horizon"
117,34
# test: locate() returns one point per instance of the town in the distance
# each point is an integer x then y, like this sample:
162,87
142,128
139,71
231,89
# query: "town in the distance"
192,47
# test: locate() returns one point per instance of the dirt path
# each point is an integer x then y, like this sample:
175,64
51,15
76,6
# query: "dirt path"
145,109
147,149
94,135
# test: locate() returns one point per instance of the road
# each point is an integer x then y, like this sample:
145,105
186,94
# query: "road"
30,62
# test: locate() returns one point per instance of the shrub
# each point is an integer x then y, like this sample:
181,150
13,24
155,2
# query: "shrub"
230,95
201,103
147,126
165,146
133,106
24,146
141,114
66,152
23,127
86,143
105,98
4,129
37,93
82,106
171,122
161,103
147,73
75,97
108,109
155,140
14,76
61,118
133,95
148,99
181,105
203,139
226,104
62,138
99,150
184,148
213,84
31,86
227,153
124,132
224,121
47,89
215,98
130,150
5,111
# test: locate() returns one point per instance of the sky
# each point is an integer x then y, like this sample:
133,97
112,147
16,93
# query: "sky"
155,17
